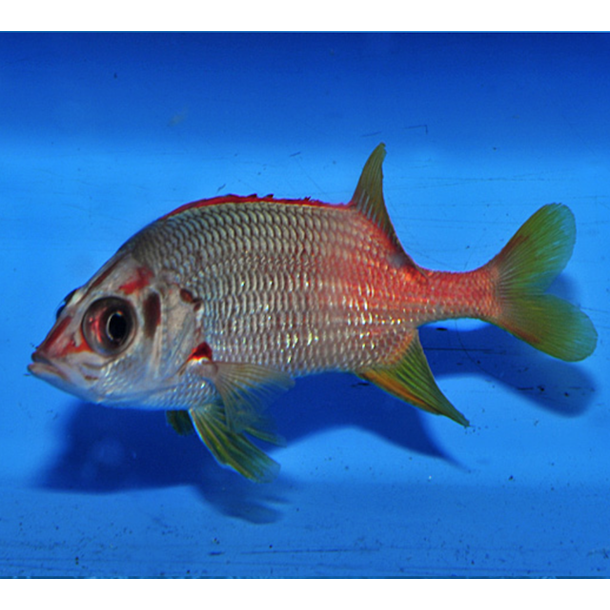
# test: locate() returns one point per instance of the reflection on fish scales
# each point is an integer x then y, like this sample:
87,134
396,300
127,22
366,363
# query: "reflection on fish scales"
212,310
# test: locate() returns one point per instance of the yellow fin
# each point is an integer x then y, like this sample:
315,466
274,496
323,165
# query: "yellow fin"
526,267
411,380
231,448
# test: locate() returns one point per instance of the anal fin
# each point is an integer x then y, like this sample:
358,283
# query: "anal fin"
411,380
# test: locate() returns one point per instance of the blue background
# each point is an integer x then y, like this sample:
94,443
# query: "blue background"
103,133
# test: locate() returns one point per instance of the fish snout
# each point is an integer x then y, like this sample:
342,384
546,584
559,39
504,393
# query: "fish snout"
42,366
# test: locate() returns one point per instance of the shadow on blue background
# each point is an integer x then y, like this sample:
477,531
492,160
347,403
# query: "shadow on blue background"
112,449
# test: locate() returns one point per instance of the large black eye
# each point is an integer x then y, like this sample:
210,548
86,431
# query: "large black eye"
109,325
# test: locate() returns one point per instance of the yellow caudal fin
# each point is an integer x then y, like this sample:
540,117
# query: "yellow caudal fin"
525,268
411,380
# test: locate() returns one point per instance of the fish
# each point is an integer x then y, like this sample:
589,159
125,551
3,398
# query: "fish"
212,311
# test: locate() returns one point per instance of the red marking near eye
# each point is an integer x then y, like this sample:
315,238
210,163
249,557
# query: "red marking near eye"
202,352
144,275
55,334
58,344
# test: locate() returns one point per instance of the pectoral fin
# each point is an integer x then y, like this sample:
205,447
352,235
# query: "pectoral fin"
246,391
411,380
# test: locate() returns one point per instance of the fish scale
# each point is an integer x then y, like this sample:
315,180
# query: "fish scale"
244,261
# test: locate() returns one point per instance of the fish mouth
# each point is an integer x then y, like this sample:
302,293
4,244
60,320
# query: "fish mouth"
62,376
46,369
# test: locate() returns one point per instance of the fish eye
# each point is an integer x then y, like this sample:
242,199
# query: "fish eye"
109,325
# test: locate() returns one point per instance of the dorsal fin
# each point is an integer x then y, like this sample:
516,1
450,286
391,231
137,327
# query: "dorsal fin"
368,196
368,199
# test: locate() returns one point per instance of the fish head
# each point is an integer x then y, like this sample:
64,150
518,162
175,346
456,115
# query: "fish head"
122,338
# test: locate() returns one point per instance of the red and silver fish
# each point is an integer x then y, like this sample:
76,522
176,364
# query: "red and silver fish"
213,309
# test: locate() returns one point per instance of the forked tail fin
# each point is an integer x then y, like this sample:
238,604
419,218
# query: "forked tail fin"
525,268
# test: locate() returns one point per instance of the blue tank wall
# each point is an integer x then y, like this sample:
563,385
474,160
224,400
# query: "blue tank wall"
104,133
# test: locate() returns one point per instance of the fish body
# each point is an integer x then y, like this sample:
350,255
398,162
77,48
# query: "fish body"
213,309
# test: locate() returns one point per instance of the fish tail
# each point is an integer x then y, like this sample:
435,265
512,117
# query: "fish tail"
524,269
